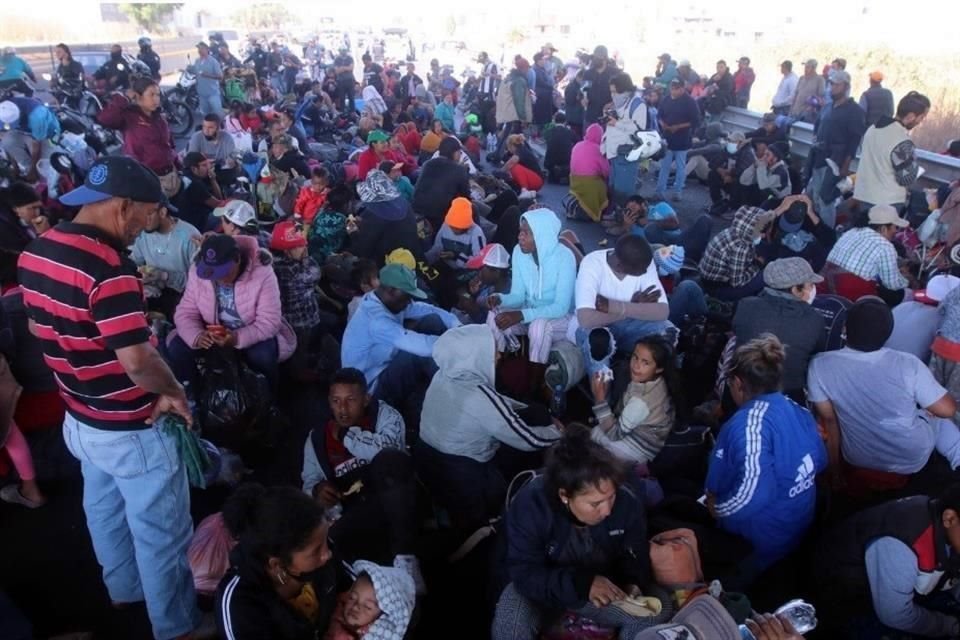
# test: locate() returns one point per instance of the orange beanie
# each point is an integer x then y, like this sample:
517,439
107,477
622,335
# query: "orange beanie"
460,214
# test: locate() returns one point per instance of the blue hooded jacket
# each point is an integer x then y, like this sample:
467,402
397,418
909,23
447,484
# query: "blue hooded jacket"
763,473
543,290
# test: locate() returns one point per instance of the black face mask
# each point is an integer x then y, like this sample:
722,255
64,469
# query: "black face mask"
116,57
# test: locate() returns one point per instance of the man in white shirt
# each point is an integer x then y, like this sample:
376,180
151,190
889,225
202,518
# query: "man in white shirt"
783,98
888,160
618,299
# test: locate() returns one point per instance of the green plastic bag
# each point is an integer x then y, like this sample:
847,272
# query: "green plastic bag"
193,456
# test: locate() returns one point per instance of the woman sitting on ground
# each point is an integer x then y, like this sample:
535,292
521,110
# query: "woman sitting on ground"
232,300
283,580
570,534
522,165
589,171
636,416
761,482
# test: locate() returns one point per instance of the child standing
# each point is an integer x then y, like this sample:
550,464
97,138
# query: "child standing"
636,429
312,196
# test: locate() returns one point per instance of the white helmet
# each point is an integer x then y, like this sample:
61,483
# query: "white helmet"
649,144
9,112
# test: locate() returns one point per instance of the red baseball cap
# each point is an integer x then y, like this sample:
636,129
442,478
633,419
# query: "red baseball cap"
286,236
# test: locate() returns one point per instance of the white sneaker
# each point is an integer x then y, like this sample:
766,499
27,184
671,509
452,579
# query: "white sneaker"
411,565
526,194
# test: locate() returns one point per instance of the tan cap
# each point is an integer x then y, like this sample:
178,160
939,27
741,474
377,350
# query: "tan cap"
885,214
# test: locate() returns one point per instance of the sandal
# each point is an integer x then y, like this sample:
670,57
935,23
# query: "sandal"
11,493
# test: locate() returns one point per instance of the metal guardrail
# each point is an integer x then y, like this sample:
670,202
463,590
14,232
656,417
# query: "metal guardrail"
938,169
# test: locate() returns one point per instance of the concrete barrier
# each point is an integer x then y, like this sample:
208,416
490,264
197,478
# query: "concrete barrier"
939,169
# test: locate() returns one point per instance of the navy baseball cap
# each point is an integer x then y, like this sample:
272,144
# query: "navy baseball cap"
217,256
116,177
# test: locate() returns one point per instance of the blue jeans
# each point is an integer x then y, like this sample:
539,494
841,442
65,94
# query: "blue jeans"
826,210
680,158
687,299
623,179
137,503
211,104
693,239
625,334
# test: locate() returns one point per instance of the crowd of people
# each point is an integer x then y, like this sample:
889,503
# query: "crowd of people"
647,440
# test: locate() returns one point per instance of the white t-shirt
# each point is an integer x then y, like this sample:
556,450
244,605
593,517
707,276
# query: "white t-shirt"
596,277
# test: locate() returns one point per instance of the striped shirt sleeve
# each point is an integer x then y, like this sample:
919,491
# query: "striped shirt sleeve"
117,308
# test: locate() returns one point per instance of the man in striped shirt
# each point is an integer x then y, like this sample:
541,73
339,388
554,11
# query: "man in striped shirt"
86,305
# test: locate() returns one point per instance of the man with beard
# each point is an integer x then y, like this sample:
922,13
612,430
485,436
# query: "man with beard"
838,135
217,146
888,161
163,252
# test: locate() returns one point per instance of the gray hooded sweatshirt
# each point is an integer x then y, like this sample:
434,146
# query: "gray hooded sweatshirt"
463,415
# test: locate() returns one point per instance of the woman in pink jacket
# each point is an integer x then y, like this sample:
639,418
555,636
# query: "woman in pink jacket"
231,300
589,170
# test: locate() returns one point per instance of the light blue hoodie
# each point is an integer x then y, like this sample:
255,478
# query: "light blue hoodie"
543,290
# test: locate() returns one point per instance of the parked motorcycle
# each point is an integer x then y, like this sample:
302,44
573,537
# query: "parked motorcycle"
77,98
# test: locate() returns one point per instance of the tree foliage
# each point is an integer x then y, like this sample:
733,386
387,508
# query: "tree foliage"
149,15
267,15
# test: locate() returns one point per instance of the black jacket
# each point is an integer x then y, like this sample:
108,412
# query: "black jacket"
385,226
403,86
538,529
441,180
150,58
797,324
248,607
560,141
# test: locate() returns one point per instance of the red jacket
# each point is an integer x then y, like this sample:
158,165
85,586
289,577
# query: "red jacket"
145,138
309,202
409,137
368,160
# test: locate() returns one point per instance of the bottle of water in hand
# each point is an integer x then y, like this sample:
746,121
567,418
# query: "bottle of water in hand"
801,614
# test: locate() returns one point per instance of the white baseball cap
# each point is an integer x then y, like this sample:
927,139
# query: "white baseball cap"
885,214
937,289
492,255
9,112
238,212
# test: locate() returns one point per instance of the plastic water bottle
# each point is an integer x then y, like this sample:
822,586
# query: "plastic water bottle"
335,512
558,404
801,614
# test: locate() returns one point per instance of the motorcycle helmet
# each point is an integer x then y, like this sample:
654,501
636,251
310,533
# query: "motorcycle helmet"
9,113
145,42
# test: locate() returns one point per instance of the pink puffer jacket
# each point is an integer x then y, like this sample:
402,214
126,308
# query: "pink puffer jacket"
258,303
